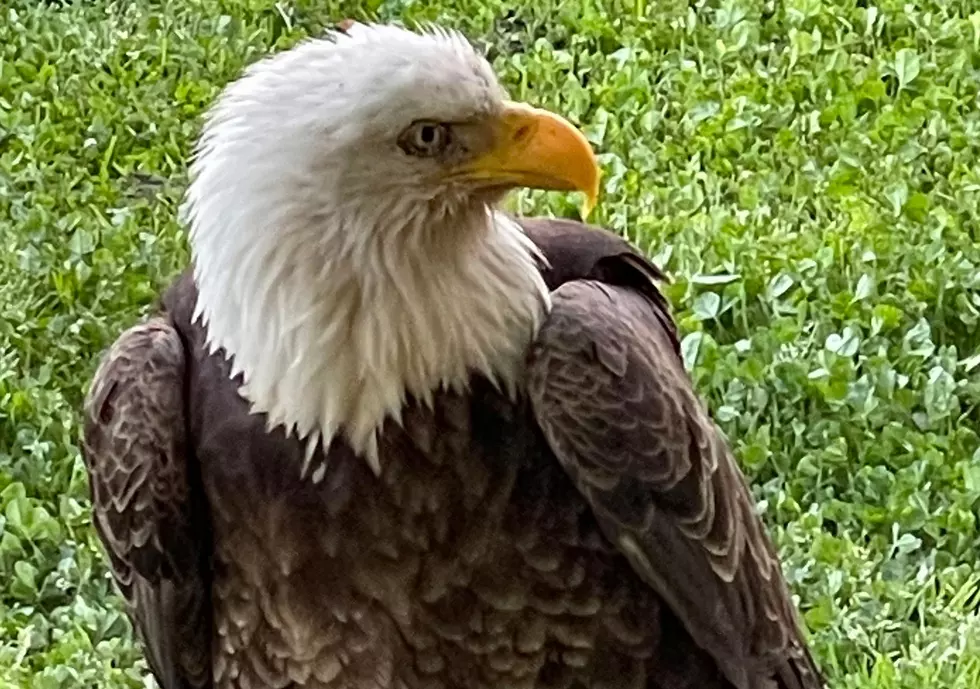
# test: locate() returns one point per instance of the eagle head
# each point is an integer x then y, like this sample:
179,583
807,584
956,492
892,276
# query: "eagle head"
346,248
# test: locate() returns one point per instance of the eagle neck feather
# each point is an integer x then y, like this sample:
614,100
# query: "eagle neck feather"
332,327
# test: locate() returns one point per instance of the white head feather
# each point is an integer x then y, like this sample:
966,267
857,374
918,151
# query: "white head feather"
332,269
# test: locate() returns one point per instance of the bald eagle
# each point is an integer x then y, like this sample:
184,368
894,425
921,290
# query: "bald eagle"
383,434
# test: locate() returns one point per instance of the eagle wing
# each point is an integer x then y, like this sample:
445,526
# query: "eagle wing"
147,504
610,393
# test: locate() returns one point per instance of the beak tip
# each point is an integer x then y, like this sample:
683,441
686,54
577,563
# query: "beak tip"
591,198
585,210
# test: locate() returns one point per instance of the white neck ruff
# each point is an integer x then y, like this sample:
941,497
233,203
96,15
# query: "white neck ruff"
333,334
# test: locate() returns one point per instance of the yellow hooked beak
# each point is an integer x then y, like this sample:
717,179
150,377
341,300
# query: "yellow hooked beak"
537,149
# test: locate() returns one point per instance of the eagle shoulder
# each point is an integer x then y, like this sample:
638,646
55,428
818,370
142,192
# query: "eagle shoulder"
610,393
147,504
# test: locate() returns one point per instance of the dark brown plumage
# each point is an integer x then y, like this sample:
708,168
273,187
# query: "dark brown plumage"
596,534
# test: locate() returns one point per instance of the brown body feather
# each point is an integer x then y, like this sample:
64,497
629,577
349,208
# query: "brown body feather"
596,534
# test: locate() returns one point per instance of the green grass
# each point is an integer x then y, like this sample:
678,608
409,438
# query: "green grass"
806,170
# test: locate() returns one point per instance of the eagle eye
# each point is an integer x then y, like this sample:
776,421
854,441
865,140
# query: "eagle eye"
425,139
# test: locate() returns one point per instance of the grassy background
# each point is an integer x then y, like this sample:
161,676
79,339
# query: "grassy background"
806,170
